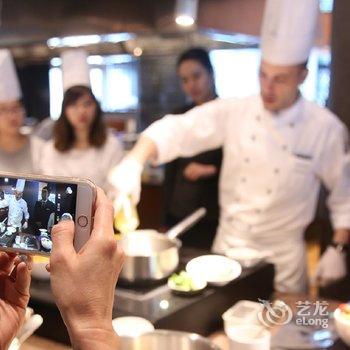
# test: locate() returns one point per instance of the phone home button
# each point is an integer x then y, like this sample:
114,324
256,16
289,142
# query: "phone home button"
82,221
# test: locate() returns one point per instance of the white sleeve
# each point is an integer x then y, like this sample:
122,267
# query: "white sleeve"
335,174
25,210
200,129
114,150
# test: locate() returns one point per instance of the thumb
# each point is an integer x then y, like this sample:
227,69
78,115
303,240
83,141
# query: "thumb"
62,236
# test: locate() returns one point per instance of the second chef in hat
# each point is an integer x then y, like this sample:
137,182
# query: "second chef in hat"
278,148
81,145
18,152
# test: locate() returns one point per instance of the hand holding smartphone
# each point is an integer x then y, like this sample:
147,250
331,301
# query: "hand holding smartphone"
31,205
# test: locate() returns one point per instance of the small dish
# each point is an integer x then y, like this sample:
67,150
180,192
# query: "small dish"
185,284
215,269
131,326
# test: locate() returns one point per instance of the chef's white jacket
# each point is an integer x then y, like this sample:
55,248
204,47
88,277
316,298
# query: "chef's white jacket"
92,163
270,178
18,210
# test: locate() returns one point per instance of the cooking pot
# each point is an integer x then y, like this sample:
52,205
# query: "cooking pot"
169,340
151,256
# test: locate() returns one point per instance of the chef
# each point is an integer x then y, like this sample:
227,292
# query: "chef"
18,208
4,208
278,148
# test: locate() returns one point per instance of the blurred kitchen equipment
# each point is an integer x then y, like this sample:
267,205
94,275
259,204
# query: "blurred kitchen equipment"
215,269
31,324
151,256
243,312
342,325
244,337
131,326
170,340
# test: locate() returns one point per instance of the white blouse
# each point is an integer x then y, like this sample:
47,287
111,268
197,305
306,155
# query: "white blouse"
93,163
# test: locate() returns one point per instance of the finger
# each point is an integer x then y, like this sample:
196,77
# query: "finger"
48,267
62,236
22,282
6,262
210,170
103,219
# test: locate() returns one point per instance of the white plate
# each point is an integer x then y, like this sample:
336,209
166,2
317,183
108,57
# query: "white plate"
215,269
246,256
131,326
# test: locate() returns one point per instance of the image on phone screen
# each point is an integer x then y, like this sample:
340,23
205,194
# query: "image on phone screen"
29,209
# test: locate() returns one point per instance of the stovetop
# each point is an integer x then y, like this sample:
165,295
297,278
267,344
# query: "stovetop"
199,313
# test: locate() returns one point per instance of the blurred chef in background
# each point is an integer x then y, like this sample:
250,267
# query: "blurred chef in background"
81,146
192,182
18,152
18,209
278,147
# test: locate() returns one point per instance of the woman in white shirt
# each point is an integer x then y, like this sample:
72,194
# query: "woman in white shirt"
81,145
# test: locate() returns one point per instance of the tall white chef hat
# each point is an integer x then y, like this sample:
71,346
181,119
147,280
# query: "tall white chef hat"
20,185
288,31
10,89
75,69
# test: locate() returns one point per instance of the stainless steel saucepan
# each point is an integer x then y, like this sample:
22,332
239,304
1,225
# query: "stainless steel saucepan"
170,340
151,256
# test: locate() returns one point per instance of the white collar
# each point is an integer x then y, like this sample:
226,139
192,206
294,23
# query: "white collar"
288,116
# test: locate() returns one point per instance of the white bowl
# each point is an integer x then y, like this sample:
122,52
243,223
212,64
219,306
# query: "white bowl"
215,269
343,326
131,326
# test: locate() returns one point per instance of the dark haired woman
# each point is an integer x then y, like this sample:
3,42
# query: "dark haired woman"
192,182
81,144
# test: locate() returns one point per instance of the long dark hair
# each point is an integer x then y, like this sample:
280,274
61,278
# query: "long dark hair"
63,132
198,54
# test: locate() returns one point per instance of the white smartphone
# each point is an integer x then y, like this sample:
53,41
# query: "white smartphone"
31,204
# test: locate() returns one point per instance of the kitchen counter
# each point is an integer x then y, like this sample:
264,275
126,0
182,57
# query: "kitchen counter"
219,337
164,309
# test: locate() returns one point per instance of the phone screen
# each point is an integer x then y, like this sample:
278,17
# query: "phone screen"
30,208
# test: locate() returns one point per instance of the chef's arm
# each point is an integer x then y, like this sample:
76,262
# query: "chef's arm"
335,173
201,129
144,150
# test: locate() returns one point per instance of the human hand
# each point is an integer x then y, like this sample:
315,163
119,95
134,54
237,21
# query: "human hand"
194,171
14,295
125,179
331,267
83,283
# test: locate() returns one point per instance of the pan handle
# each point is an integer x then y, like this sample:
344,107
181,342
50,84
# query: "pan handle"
186,223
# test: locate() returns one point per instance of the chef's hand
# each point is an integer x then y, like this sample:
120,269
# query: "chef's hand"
83,283
14,296
195,171
331,267
125,179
